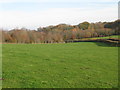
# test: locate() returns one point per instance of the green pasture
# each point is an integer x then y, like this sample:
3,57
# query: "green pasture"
68,65
107,37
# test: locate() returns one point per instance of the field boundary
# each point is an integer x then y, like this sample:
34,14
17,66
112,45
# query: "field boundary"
111,41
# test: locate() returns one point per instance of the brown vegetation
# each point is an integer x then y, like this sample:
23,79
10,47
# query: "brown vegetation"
60,33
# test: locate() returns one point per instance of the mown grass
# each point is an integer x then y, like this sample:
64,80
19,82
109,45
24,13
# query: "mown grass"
71,65
0,66
113,36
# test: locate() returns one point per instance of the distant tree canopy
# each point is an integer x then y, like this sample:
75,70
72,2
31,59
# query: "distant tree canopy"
58,27
61,32
84,25
113,25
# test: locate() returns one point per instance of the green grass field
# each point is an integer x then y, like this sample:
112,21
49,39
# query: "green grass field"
113,36
71,65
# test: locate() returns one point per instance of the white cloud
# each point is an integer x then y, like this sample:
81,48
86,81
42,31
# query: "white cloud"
12,19
11,1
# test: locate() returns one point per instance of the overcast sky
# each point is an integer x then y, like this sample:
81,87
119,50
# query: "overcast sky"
35,13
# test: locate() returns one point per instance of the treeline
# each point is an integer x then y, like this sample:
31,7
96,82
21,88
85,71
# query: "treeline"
62,32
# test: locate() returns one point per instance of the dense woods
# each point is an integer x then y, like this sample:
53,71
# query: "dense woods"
62,32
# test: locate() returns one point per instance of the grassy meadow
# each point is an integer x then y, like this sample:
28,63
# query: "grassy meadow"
107,37
69,65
